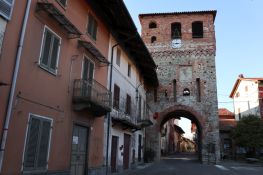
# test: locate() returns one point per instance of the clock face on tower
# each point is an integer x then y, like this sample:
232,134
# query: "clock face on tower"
176,43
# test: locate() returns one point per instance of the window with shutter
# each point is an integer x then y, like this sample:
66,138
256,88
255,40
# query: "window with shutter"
62,2
88,69
128,105
118,57
129,70
116,97
92,27
6,7
50,51
37,143
140,108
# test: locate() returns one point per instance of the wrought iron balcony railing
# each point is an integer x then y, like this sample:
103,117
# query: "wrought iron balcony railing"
128,118
89,94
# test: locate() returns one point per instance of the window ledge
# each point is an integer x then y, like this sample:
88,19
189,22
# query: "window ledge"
47,70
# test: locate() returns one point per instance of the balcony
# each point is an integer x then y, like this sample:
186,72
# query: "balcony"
59,17
144,120
91,95
120,117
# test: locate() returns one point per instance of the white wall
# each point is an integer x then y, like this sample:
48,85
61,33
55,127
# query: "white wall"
128,85
247,101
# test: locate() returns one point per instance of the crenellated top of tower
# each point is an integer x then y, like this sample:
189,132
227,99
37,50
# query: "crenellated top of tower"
175,31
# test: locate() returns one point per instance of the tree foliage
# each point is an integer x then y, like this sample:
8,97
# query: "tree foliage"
249,132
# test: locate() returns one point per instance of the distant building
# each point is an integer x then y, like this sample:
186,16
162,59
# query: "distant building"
247,95
226,123
171,137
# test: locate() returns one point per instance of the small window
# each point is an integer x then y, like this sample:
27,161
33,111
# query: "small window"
129,70
92,27
116,97
153,39
118,57
140,108
37,143
128,105
246,88
197,29
50,51
174,90
62,2
237,94
186,92
176,30
6,8
152,25
198,90
239,114
166,93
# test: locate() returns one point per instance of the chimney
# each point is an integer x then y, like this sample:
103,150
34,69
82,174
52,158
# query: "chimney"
240,76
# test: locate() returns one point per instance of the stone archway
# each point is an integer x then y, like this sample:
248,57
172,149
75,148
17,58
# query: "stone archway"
208,149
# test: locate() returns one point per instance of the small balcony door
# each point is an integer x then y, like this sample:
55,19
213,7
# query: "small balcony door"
87,77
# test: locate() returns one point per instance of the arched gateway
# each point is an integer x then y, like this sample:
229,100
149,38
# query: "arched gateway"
185,56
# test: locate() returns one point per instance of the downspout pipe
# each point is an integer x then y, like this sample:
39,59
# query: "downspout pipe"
13,86
110,89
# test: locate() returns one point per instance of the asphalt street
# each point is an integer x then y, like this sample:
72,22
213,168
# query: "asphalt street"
185,164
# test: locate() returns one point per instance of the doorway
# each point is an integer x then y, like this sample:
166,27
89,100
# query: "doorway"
79,150
126,152
114,149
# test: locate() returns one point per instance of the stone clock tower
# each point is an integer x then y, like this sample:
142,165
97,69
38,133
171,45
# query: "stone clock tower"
183,46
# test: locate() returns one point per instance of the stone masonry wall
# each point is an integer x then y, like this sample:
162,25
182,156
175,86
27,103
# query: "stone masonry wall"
195,59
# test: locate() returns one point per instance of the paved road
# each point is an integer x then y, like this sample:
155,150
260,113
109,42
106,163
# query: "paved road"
188,165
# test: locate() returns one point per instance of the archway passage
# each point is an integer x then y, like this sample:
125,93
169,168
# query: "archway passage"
207,139
172,138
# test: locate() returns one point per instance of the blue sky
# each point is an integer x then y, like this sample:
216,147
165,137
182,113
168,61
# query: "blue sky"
239,36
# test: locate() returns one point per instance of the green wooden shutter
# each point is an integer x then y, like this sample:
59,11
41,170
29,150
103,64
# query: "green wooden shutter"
43,144
63,2
37,143
46,48
6,8
85,69
95,26
54,54
90,24
32,142
91,70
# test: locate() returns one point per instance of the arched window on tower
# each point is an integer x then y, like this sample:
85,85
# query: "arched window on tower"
176,30
152,25
153,39
197,29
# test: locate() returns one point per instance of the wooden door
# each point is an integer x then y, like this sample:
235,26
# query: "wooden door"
140,148
114,149
79,150
126,151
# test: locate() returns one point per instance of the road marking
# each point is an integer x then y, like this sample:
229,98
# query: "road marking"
222,167
244,168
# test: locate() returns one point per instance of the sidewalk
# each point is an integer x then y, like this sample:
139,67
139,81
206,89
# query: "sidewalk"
240,163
